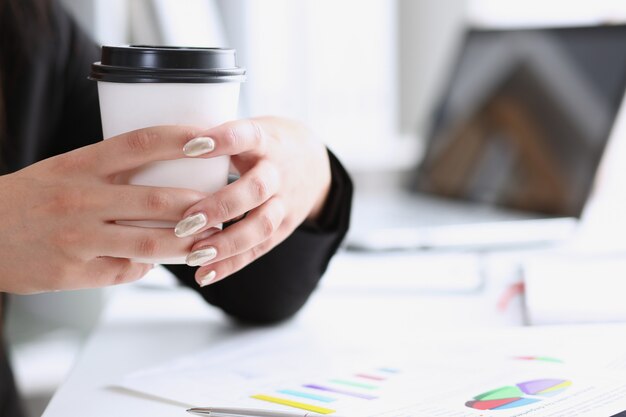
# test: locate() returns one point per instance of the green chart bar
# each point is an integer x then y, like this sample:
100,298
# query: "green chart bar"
353,384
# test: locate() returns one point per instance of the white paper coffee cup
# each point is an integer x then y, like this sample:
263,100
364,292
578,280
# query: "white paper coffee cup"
142,86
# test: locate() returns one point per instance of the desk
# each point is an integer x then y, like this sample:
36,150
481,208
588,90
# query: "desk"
147,324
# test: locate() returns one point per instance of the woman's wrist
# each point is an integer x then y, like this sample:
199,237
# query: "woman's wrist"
335,210
318,208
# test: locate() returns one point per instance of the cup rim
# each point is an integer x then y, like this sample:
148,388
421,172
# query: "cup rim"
167,64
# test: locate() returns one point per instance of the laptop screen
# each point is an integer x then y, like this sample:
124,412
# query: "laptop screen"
525,118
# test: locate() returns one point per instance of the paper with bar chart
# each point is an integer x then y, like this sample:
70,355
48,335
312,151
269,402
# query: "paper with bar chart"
277,370
287,370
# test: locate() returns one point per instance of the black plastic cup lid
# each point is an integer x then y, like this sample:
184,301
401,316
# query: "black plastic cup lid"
166,64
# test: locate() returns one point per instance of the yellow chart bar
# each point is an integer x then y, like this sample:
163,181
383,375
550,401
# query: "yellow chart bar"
562,385
294,404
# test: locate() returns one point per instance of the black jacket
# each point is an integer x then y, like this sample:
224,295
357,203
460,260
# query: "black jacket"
51,107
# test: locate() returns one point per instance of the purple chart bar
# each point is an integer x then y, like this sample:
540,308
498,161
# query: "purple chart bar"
341,392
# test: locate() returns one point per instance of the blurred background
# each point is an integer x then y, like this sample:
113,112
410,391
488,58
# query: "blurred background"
364,75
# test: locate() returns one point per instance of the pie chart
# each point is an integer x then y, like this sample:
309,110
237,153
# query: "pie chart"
518,395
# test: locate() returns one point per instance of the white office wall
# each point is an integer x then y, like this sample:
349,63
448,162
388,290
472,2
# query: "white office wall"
175,22
508,13
105,20
331,64
429,33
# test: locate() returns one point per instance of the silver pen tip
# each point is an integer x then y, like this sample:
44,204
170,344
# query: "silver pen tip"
198,412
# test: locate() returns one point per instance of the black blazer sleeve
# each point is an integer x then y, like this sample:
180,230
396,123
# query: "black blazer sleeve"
51,106
55,109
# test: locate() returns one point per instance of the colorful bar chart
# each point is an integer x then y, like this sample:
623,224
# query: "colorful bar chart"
320,396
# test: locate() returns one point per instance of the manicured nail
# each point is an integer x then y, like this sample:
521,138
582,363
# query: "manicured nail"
207,279
199,146
190,225
201,256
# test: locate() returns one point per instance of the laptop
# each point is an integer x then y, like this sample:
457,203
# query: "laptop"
514,143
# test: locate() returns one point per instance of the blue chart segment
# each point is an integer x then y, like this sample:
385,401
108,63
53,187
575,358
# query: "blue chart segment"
301,394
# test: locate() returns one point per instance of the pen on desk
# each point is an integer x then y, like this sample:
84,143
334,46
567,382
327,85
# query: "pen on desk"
246,412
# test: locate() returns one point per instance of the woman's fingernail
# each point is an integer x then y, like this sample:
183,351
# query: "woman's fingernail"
190,225
199,146
207,279
201,256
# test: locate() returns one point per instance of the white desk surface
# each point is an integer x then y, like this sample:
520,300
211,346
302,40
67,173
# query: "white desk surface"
145,325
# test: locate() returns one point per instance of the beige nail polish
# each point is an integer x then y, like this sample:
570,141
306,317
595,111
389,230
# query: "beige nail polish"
207,279
199,146
190,225
201,256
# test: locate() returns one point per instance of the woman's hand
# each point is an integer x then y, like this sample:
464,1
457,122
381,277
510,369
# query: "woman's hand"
285,179
57,217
